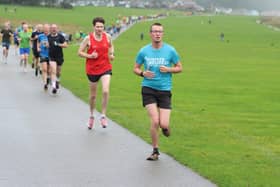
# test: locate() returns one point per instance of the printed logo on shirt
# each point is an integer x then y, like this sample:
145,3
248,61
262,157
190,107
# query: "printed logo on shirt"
155,61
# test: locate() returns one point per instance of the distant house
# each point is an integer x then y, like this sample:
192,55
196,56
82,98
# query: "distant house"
123,4
139,4
222,10
254,13
186,5
245,12
271,13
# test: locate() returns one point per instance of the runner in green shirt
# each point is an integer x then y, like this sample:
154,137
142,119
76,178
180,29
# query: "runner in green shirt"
24,46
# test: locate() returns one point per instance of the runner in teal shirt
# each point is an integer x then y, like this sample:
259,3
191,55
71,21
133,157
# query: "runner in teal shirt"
160,61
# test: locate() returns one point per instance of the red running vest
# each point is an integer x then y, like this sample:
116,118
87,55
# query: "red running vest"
102,63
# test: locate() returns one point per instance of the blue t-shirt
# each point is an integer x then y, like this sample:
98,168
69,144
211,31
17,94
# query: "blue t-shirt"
152,59
43,41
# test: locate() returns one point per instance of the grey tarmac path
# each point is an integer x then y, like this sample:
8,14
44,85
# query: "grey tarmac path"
44,141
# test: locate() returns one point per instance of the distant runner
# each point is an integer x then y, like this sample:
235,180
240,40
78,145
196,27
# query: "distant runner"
24,39
6,34
36,54
57,42
16,42
43,48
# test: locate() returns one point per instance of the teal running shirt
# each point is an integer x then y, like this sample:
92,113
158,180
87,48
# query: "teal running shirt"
152,59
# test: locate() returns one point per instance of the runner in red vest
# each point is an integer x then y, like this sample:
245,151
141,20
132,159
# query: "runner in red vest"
98,50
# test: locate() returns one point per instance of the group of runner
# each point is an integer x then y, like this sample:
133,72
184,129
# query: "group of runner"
47,48
47,45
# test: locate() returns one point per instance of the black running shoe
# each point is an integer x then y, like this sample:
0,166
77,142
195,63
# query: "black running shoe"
36,72
57,85
166,132
46,87
48,80
54,91
154,156
32,65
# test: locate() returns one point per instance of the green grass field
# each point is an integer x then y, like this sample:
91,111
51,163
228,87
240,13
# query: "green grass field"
225,117
72,20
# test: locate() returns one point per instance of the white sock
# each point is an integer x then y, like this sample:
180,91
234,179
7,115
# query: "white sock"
53,84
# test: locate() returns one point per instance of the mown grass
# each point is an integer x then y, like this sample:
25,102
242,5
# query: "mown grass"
76,19
225,117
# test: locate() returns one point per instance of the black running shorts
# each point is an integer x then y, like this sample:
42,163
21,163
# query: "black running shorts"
95,78
59,60
36,53
44,59
161,98
6,44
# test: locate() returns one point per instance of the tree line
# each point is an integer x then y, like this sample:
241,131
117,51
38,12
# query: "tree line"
249,4
50,3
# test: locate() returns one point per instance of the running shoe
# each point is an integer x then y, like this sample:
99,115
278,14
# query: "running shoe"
46,87
57,85
54,91
90,122
36,72
48,80
154,156
166,131
103,121
32,65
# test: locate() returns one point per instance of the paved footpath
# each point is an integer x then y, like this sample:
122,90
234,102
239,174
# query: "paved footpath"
44,141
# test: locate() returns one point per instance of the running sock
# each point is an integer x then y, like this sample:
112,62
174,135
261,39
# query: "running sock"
54,84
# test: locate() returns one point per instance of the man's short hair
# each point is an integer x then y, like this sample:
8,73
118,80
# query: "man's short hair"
98,19
155,24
